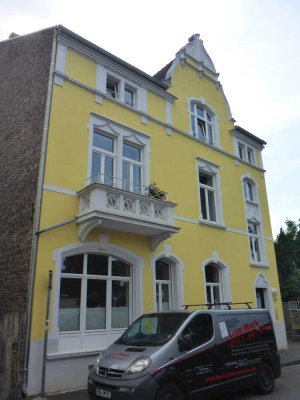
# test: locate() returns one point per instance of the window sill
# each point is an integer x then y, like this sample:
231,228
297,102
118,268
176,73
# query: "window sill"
258,265
253,203
212,224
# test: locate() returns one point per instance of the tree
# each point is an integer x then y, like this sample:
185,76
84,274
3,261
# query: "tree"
287,250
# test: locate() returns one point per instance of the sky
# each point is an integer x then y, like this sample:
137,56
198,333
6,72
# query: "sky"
254,45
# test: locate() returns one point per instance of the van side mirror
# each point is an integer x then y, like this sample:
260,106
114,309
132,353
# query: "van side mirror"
184,343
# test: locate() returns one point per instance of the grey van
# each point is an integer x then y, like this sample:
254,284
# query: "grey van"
180,355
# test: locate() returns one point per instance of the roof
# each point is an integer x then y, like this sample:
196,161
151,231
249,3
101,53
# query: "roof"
161,74
250,135
110,56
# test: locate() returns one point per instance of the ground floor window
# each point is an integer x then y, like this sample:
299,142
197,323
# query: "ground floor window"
94,293
213,284
163,285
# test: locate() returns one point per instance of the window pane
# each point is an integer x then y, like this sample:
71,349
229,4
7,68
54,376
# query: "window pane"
241,151
201,129
208,294
120,304
165,301
96,167
200,112
112,88
157,296
162,270
97,264
120,268
129,96
108,171
206,179
216,291
73,265
136,179
249,154
257,251
211,205
203,203
210,135
69,305
96,304
211,274
103,142
193,125
126,176
132,152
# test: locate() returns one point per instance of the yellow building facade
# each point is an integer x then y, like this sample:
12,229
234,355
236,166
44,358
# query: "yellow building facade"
152,199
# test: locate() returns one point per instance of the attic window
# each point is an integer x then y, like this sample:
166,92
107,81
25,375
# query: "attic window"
202,126
112,88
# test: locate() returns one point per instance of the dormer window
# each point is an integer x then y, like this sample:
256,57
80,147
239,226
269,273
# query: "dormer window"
112,88
246,153
129,96
202,126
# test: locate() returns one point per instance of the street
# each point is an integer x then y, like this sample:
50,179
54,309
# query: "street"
286,387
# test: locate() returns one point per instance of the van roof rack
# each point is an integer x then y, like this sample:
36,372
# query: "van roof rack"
210,305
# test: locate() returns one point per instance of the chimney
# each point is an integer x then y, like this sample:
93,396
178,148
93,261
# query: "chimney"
13,35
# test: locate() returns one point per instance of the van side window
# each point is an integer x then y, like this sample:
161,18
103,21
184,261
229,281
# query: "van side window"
199,330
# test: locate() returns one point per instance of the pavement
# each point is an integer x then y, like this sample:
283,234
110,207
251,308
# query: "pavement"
288,357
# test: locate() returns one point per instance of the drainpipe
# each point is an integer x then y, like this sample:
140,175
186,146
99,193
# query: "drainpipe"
38,212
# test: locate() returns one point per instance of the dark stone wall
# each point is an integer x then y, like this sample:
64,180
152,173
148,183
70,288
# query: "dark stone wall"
24,73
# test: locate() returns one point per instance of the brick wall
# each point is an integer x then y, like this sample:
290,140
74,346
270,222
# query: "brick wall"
24,73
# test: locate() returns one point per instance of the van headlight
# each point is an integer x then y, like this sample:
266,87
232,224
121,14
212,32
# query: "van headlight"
98,359
139,365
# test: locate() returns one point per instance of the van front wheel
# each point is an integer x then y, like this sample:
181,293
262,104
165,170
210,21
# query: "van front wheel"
265,379
170,392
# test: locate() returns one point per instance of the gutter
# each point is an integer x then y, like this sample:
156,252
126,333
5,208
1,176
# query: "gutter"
38,212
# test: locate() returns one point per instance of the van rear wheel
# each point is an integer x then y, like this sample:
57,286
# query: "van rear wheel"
265,379
170,391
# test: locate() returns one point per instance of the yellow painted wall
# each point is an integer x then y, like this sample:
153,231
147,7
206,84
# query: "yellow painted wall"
172,167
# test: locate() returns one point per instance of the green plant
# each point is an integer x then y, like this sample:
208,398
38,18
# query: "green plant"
154,191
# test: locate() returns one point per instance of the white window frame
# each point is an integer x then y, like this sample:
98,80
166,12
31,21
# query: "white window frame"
120,134
246,153
224,272
176,284
250,192
213,122
109,278
159,283
101,178
85,341
212,170
256,257
212,285
113,94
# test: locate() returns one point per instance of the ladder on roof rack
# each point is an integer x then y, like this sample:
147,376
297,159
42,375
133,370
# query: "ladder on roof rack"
210,305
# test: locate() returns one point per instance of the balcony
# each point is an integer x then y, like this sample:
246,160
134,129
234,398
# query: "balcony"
123,206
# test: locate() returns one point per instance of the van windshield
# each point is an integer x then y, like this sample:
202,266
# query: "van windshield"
153,329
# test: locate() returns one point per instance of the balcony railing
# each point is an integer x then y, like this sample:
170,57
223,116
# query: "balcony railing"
117,204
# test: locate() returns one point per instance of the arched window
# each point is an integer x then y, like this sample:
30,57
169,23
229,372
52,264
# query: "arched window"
249,190
163,285
202,126
213,284
94,293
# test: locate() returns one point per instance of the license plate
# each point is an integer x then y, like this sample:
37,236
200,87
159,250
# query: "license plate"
103,393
